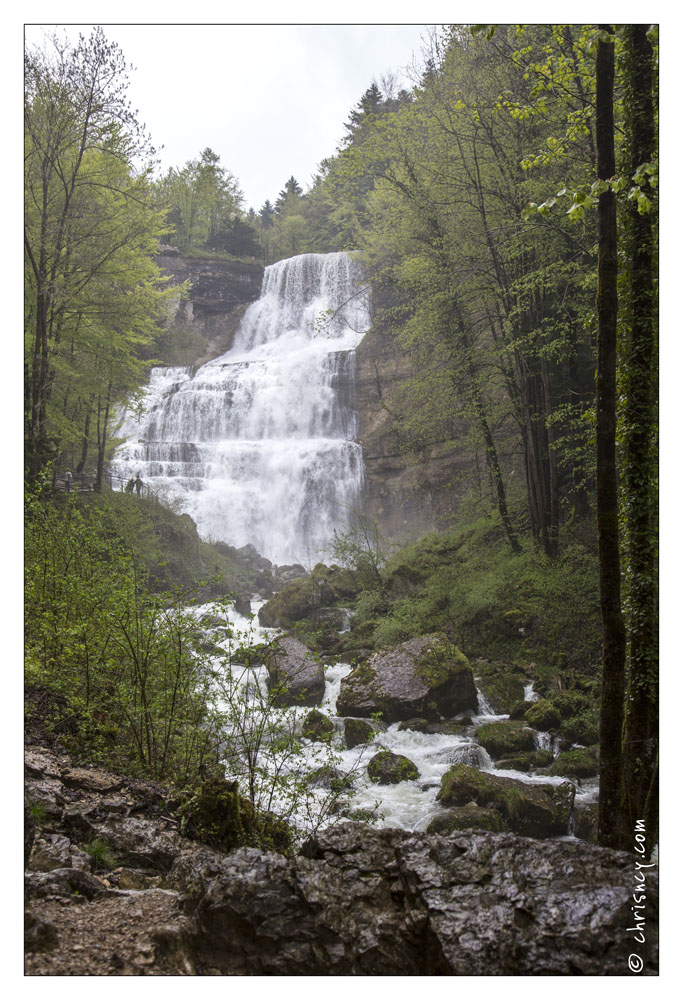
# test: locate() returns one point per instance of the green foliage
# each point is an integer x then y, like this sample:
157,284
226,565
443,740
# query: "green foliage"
219,816
118,662
102,856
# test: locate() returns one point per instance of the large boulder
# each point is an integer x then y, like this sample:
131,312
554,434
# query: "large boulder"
505,738
387,768
317,727
532,810
362,901
425,677
299,601
296,674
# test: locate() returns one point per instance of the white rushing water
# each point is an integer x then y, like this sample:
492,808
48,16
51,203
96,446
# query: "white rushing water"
258,445
412,804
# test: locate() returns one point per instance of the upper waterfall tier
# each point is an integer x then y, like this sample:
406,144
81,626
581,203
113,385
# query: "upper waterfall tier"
258,445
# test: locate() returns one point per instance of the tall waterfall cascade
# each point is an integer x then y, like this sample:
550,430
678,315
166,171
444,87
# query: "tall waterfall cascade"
258,445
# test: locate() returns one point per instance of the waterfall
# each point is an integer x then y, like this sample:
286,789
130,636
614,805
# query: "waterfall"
258,445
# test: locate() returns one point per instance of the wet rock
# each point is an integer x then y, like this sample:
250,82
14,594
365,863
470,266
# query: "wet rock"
586,821
361,901
452,727
505,738
543,716
299,601
465,753
40,765
416,725
56,851
387,768
317,727
531,810
425,677
470,817
529,761
242,605
295,672
357,732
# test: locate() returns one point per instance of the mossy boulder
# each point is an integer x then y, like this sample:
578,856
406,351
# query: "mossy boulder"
529,761
317,727
531,810
583,728
298,601
294,672
505,738
577,763
451,727
219,816
502,686
571,703
358,732
387,768
469,817
519,709
343,583
426,677
543,715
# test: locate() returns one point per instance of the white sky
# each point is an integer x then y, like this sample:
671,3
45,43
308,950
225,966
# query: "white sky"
271,100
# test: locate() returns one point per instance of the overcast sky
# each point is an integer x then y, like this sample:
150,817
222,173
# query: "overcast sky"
271,100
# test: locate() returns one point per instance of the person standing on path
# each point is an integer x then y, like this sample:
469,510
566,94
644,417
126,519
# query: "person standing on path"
138,485
67,481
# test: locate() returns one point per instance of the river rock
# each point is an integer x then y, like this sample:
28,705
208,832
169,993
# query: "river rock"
298,675
469,817
529,761
505,738
317,727
543,715
362,901
581,762
424,677
387,768
531,810
140,843
357,732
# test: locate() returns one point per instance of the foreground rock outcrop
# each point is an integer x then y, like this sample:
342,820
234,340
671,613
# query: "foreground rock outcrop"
355,901
427,677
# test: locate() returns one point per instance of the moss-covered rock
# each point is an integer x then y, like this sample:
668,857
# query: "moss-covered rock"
505,738
543,716
426,677
219,816
450,727
387,768
531,810
519,710
577,763
586,822
414,725
299,601
358,731
469,817
583,728
529,761
294,673
317,727
500,684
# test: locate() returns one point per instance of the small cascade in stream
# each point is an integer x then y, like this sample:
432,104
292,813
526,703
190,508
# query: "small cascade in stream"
258,445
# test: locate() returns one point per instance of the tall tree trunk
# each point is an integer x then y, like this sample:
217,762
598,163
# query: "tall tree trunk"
614,642
640,421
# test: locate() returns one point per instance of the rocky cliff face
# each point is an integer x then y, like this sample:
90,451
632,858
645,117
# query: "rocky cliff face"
405,497
204,324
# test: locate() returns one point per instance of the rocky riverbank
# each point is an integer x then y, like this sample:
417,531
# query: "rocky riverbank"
114,888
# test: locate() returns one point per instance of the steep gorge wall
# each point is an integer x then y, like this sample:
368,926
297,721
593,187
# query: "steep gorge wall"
405,496
204,324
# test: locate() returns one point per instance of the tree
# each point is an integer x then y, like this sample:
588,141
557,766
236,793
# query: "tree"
639,420
204,199
614,639
91,229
